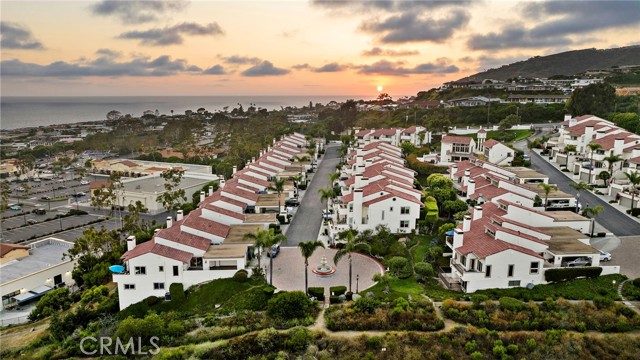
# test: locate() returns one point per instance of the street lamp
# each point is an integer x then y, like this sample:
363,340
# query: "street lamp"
357,280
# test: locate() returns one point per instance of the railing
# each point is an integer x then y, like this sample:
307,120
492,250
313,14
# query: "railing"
445,275
449,241
224,267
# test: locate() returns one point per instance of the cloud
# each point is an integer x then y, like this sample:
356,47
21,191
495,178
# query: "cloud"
103,66
301,66
172,35
265,68
514,37
137,12
215,70
387,5
15,36
240,60
376,51
109,53
410,27
384,67
332,67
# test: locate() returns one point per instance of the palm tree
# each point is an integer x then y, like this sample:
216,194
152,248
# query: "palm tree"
258,238
591,213
297,179
326,194
307,249
278,187
350,246
581,186
547,189
593,147
267,238
611,160
333,177
634,179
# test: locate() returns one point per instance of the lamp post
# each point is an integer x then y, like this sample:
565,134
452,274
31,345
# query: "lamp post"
357,280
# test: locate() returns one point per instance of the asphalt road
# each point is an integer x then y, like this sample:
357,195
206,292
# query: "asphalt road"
306,223
42,228
611,219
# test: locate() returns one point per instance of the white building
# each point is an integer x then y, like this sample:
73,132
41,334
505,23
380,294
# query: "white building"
496,152
417,135
28,272
456,148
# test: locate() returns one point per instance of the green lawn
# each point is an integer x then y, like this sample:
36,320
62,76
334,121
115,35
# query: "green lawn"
507,136
397,288
420,250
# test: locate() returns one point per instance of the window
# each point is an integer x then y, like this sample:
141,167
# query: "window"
129,286
535,267
463,260
175,270
196,263
404,210
158,286
510,271
391,209
404,224
479,266
487,271
514,282
140,270
160,268
383,215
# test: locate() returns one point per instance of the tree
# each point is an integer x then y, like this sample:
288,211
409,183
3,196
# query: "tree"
278,187
52,302
634,179
266,238
454,206
333,177
547,189
579,187
591,213
594,99
604,176
259,238
611,159
593,147
289,305
173,196
114,115
307,249
508,122
423,270
351,245
325,195
4,195
95,251
132,220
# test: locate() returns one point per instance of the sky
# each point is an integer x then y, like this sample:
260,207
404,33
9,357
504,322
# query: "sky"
295,47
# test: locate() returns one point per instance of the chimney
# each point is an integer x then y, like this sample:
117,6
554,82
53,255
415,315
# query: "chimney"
359,160
235,169
261,152
180,215
222,182
588,133
201,196
210,190
466,223
156,231
477,213
618,145
358,182
253,160
357,207
567,117
131,243
471,187
572,121
274,141
465,178
454,170
169,222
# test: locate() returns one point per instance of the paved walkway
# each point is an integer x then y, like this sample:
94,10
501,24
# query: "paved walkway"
624,300
308,218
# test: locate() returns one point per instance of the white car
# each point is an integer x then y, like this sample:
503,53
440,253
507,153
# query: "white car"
604,256
84,182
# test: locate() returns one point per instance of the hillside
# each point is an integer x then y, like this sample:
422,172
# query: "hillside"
565,63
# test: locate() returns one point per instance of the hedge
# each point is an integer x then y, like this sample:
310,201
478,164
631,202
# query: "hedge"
337,290
556,275
317,292
634,212
177,292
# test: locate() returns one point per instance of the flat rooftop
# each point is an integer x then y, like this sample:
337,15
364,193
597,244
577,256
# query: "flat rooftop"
564,240
270,199
564,215
553,194
260,218
237,232
153,184
43,254
226,252
526,173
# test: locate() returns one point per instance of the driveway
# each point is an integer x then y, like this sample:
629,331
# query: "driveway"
611,219
306,223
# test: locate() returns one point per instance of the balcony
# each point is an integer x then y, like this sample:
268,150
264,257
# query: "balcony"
449,280
449,241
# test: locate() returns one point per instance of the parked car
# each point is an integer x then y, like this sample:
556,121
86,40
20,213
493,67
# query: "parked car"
274,251
581,261
21,189
39,211
526,157
46,198
292,202
84,182
15,207
326,215
32,221
604,256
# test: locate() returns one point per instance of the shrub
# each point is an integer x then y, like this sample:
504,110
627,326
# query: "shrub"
177,292
317,292
334,299
289,305
479,299
400,266
423,270
602,302
476,356
365,305
151,300
508,303
634,212
241,276
52,302
299,338
636,282
337,290
555,275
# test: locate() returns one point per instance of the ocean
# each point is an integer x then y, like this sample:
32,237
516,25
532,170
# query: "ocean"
22,112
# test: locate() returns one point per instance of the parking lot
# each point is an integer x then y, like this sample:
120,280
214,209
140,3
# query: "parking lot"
42,228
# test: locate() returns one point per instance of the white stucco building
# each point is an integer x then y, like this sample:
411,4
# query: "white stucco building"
456,148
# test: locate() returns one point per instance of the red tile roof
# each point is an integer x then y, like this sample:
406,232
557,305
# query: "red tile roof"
448,139
635,160
490,143
197,222
224,211
175,234
362,133
410,130
7,248
608,141
482,131
488,192
128,163
384,132
161,250
254,180
251,196
381,144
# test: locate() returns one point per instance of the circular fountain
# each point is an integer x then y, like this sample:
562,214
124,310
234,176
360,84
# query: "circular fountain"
324,269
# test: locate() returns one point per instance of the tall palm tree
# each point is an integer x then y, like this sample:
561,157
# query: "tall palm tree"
611,160
258,238
547,189
352,245
266,239
307,249
325,195
333,177
593,147
278,187
579,187
591,213
634,179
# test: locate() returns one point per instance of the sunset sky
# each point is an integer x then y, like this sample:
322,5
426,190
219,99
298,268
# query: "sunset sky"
77,48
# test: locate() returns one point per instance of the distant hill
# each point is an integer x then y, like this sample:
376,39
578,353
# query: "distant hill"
566,63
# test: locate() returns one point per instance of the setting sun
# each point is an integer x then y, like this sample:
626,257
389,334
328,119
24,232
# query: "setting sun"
379,88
